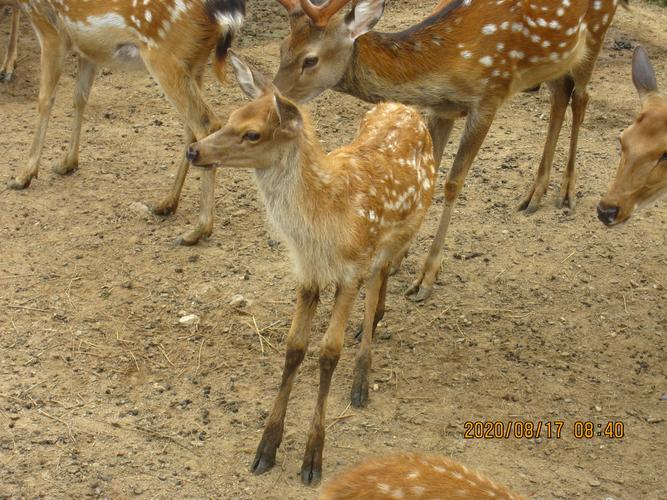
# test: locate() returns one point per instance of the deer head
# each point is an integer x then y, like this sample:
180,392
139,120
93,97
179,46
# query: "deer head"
316,54
642,172
255,135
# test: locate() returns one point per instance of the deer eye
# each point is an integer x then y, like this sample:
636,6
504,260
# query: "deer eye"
251,136
310,62
663,157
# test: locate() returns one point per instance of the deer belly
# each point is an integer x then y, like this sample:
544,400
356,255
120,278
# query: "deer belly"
107,40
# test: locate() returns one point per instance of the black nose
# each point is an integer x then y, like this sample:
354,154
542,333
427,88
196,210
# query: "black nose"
193,154
607,214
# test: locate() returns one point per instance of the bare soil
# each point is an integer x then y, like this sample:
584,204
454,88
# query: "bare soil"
545,318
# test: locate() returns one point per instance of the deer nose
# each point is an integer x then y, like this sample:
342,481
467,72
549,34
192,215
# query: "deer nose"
607,214
192,154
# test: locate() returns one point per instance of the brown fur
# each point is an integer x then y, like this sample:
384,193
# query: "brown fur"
413,476
641,177
173,45
345,217
467,58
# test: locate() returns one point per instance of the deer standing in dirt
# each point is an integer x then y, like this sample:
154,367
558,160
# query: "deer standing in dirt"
465,59
345,217
9,63
641,177
413,476
173,39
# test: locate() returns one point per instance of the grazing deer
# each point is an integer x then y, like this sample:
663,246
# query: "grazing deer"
466,58
173,39
344,216
413,476
641,177
9,64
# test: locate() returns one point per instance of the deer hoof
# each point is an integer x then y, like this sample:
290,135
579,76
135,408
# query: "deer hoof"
65,169
17,185
359,396
419,292
311,474
262,464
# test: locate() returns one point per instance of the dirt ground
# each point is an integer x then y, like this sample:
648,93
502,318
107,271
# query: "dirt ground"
550,317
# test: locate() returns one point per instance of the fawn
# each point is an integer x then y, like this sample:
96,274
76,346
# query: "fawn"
413,476
344,216
173,39
9,63
466,58
641,177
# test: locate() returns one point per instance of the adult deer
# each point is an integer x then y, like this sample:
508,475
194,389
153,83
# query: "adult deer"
466,58
411,475
641,177
173,39
344,216
9,63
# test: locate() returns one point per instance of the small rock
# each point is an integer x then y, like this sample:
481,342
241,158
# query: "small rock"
654,420
595,483
140,208
663,397
376,387
189,320
238,300
598,408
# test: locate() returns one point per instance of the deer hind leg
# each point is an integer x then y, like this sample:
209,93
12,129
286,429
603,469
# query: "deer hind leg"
379,310
561,90
184,91
9,64
52,59
332,344
477,126
85,79
297,343
373,313
581,76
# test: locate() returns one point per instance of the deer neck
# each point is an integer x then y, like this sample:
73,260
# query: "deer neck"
297,191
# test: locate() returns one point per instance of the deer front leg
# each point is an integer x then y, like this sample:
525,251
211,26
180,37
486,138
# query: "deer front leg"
184,91
567,197
332,344
477,126
561,90
86,77
53,56
297,343
9,64
373,313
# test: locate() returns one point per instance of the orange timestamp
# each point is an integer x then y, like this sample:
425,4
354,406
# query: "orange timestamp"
551,429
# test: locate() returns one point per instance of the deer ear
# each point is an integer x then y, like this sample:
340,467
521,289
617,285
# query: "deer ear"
289,115
253,83
643,75
363,17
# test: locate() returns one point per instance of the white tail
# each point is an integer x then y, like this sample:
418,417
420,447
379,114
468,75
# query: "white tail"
173,39
344,216
413,476
466,58
9,63
641,177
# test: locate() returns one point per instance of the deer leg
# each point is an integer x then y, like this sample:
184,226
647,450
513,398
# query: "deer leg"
169,204
53,56
561,90
478,123
86,76
581,76
440,128
184,91
297,343
9,64
373,313
379,310
332,344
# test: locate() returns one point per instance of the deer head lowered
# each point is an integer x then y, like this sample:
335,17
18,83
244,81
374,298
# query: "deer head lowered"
345,217
466,58
641,177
